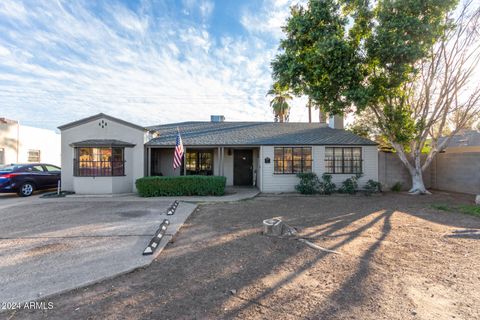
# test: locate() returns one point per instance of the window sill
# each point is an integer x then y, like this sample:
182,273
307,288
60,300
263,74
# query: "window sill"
350,174
288,174
124,175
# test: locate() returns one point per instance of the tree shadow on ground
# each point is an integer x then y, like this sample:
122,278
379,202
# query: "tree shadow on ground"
220,248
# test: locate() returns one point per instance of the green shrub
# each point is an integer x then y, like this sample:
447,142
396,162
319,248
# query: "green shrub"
181,186
350,185
308,183
372,186
397,187
326,186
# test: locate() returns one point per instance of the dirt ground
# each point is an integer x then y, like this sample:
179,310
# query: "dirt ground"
399,259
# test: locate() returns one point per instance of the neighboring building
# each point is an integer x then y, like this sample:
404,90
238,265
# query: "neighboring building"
23,144
463,141
103,154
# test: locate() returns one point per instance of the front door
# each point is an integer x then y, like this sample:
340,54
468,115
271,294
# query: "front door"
242,168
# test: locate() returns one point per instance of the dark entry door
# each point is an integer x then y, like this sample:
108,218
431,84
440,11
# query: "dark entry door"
242,167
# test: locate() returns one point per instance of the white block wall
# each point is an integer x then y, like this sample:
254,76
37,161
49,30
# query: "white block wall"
271,182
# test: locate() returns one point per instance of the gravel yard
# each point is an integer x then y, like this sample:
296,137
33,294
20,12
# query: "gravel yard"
399,258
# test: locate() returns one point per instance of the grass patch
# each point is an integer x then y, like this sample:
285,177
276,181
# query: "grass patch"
469,209
472,210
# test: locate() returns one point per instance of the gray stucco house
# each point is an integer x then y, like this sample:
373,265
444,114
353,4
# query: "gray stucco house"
103,154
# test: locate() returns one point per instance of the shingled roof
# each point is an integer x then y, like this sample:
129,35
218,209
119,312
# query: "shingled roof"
253,133
465,138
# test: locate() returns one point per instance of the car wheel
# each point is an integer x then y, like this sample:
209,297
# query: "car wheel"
26,189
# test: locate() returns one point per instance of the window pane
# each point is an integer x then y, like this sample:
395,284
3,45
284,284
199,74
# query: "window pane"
357,160
307,166
278,152
297,166
287,160
34,169
329,163
52,168
338,157
117,154
33,155
297,160
347,160
297,154
329,152
278,160
191,161
307,153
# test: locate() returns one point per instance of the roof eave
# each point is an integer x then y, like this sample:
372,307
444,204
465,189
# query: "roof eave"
99,116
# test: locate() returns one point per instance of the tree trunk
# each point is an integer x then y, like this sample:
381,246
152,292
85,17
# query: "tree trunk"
418,187
416,172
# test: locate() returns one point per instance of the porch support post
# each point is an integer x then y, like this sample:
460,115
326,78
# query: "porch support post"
223,162
184,160
149,161
219,151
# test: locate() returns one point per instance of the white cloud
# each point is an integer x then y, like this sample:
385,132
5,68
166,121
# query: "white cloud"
13,9
65,63
270,18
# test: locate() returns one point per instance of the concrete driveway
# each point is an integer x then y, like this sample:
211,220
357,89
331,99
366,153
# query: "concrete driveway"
49,246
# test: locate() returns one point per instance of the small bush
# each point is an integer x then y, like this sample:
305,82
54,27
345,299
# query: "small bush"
350,185
372,186
181,186
326,186
397,187
308,184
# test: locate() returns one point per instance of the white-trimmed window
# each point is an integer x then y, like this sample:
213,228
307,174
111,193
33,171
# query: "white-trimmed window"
343,160
33,155
99,162
292,160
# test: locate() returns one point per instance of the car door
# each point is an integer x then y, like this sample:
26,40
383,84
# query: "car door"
37,174
53,173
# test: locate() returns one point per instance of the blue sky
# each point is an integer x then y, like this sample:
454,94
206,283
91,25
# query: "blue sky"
148,62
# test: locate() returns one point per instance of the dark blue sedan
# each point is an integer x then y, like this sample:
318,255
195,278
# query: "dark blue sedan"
26,178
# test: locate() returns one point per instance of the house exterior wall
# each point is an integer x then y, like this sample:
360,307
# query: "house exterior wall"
165,163
134,158
17,140
228,167
271,182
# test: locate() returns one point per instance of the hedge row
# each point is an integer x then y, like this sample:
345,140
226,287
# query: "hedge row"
181,186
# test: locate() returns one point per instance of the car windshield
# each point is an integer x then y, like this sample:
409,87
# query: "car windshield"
9,167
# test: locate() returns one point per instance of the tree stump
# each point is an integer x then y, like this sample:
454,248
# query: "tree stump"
276,227
477,200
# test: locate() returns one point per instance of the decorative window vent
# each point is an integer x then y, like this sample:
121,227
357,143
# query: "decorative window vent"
102,124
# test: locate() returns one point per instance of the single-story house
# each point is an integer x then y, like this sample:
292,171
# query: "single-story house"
103,154
463,141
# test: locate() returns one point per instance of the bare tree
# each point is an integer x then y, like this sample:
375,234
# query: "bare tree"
444,95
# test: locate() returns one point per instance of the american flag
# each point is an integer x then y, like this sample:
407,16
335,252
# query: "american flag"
178,157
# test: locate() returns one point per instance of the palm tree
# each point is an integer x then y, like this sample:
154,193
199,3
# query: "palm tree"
279,103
